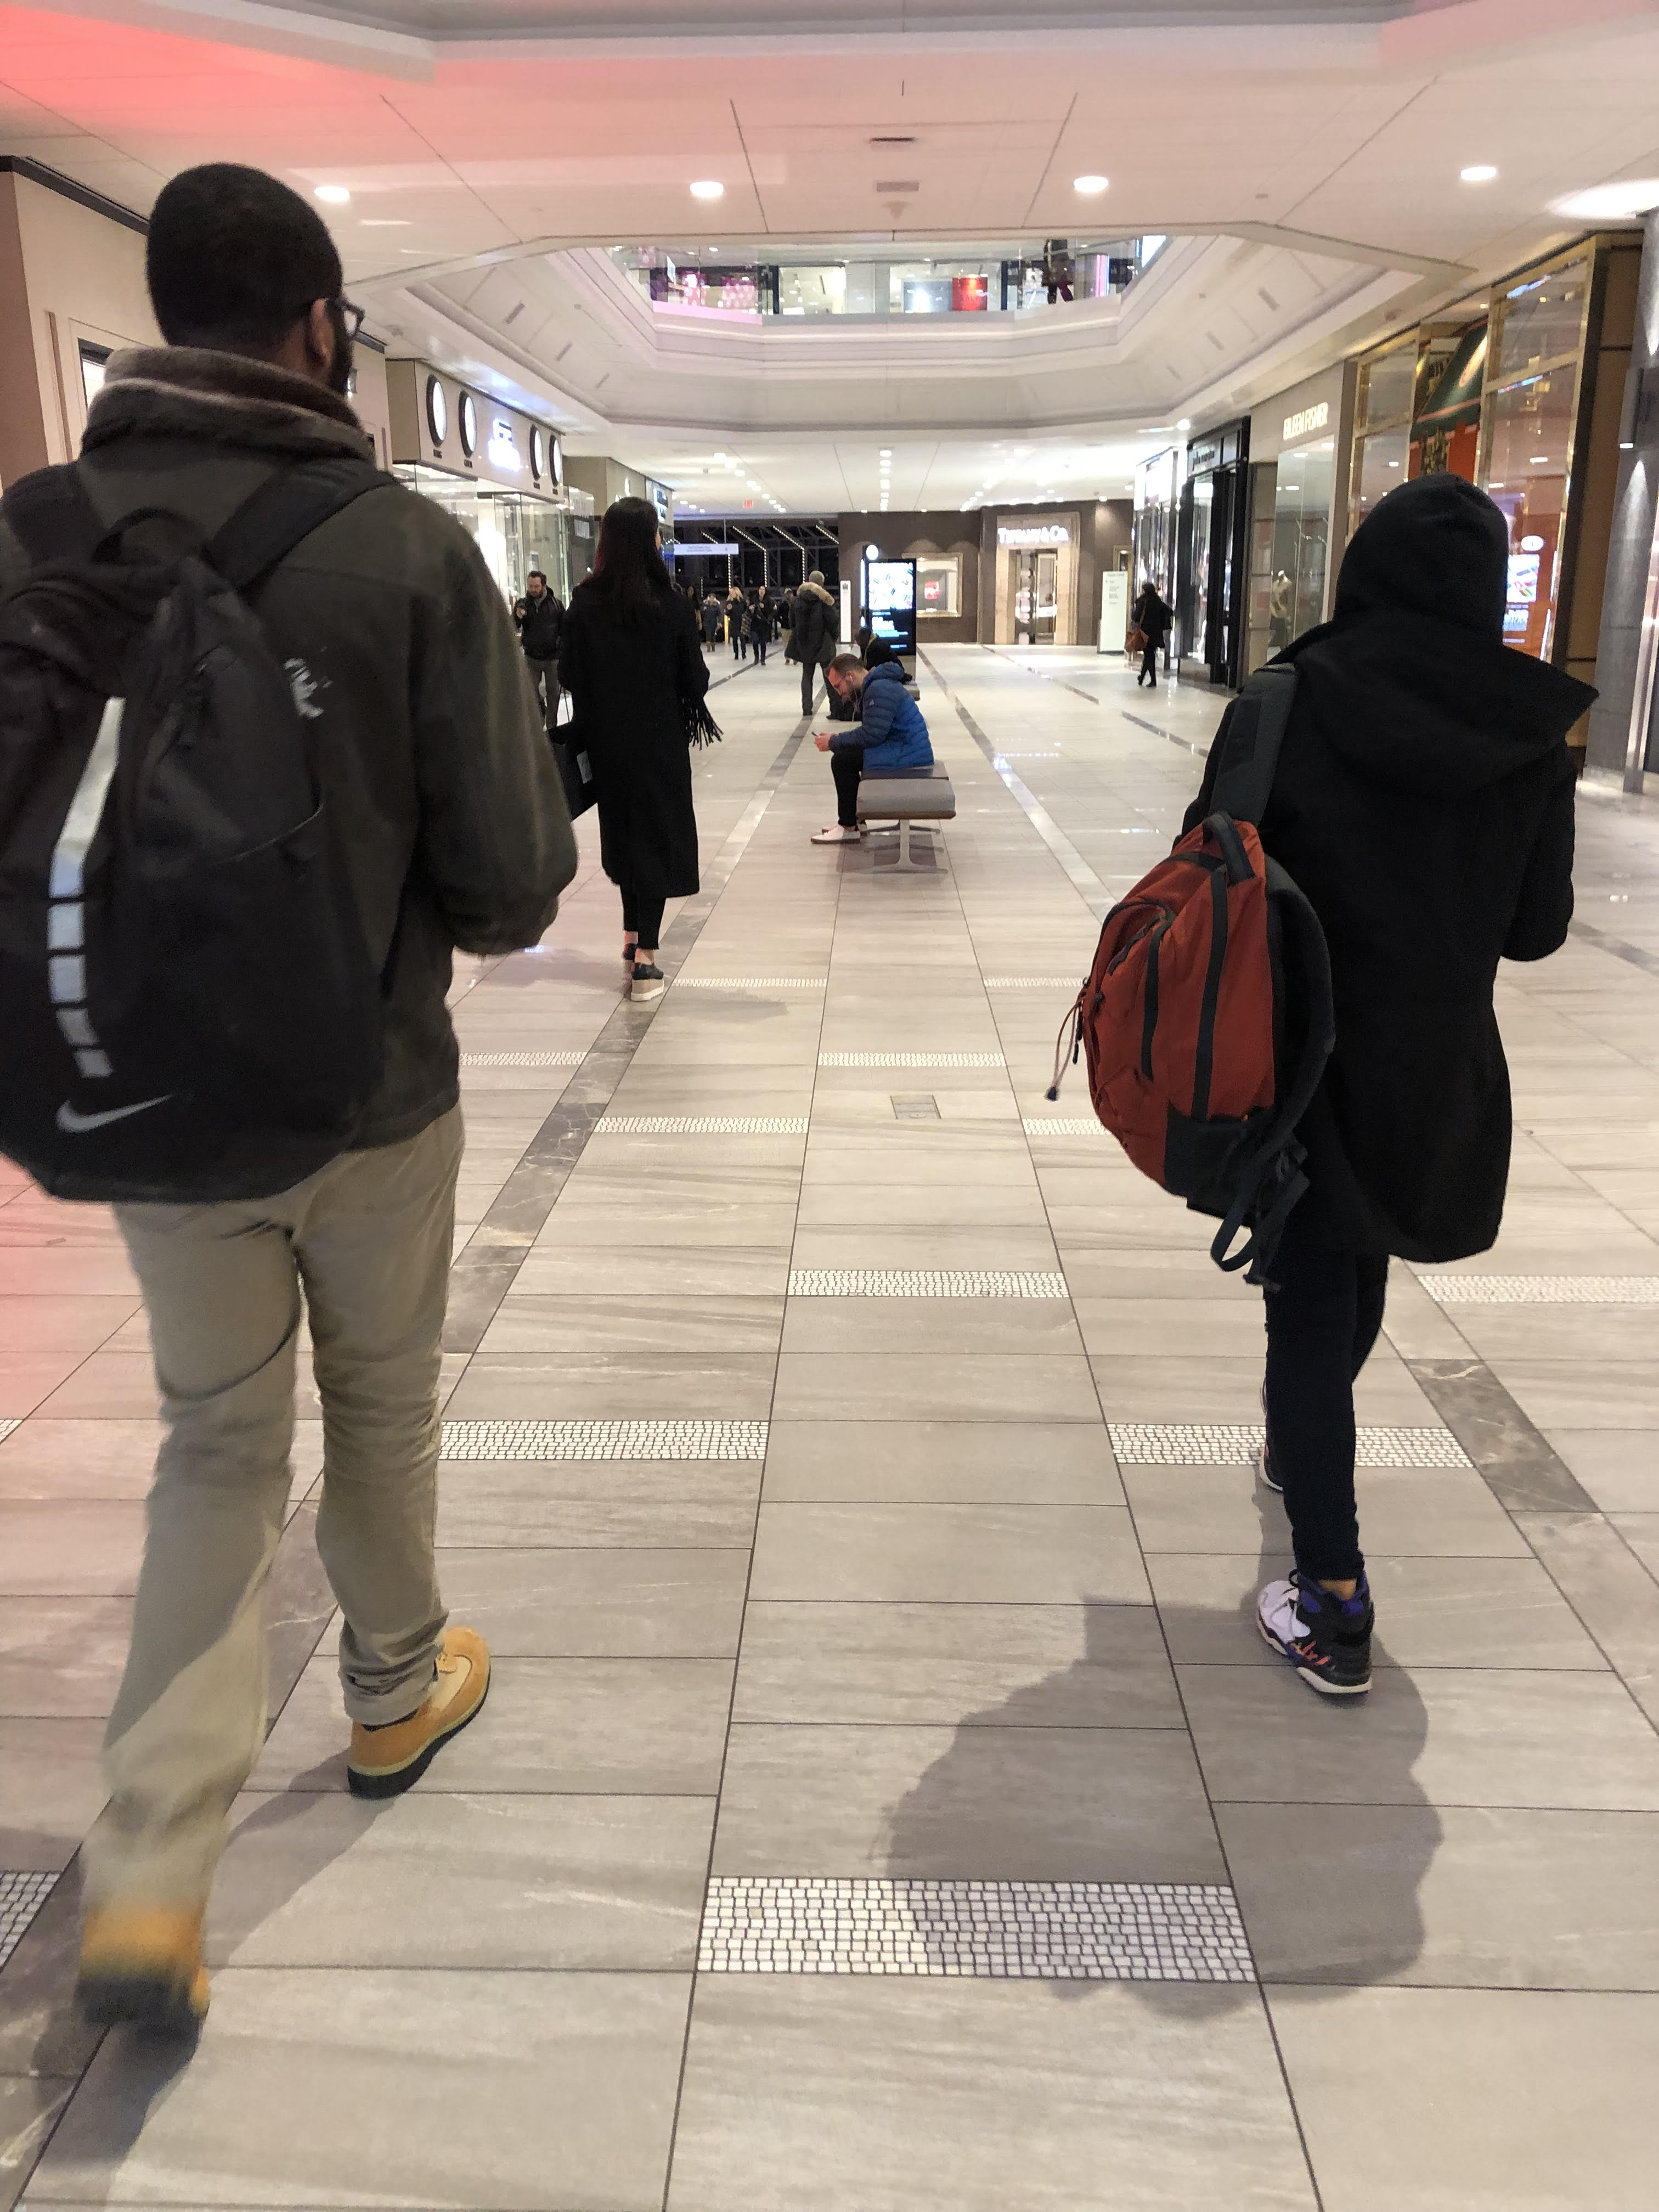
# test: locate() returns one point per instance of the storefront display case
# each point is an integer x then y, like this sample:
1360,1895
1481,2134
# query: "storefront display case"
1446,430
1212,548
1529,434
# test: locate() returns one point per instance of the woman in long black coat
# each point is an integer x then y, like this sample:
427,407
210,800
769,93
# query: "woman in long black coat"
628,656
1423,803
1152,616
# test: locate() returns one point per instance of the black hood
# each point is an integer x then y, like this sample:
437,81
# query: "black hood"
1411,681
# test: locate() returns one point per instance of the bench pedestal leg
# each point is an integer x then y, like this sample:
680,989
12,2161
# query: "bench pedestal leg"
904,866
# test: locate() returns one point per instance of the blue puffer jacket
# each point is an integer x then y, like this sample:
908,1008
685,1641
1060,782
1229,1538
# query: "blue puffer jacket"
891,726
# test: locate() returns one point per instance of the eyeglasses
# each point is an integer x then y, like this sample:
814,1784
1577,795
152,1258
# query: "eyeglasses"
351,317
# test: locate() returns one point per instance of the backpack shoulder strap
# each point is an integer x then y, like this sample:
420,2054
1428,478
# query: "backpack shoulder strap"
51,515
283,511
1254,730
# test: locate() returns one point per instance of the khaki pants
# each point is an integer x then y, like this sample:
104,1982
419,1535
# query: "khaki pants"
370,1240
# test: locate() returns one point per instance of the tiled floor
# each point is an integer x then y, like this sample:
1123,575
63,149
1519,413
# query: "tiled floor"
883,1804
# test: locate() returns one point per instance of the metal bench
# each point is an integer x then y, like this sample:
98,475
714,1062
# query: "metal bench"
909,794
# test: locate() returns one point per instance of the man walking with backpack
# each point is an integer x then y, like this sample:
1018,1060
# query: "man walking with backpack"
1423,804
438,818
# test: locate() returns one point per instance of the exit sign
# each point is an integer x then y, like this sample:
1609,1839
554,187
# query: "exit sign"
749,503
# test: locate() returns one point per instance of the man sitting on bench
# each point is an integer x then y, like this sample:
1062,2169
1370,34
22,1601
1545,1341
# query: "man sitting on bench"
890,734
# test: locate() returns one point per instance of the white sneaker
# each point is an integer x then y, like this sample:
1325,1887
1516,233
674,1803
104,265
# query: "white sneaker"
835,835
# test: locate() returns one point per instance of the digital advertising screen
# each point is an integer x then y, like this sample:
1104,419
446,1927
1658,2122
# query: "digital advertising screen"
890,587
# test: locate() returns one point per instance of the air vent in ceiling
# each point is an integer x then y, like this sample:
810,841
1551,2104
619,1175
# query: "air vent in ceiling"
892,189
1266,298
895,140
514,317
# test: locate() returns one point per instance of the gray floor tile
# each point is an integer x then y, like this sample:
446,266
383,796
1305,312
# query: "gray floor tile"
50,1791
982,1802
1444,1736
1430,1613
1491,1896
588,1386
1620,1467
72,1547
620,1604
1016,1665
625,1328
653,1726
824,2095
1429,1511
1028,1463
1540,2119
711,1514
998,1326
62,1657
933,1387
437,1879
559,2088
988,1554
65,1459
29,2107
1611,1590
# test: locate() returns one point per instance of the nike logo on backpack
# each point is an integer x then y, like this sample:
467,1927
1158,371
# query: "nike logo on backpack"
74,1124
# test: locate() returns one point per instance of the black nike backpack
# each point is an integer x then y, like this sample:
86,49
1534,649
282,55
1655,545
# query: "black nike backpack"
188,1008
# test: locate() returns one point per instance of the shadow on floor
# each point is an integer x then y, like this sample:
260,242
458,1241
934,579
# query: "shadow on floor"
1286,1813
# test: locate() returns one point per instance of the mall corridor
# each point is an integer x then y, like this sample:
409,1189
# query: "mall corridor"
884,1802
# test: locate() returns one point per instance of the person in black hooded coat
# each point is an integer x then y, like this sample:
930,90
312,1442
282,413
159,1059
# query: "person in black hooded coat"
629,658
1423,803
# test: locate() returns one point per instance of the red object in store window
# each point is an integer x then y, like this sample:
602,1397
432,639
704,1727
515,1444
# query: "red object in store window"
970,296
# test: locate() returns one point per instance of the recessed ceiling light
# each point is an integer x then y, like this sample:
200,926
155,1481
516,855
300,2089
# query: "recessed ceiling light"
383,222
1538,460
1090,185
707,188
1183,425
1479,173
336,195
886,453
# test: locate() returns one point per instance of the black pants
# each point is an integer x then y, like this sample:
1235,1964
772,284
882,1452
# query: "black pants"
760,651
1322,1320
544,674
1148,662
642,916
808,683
737,645
846,766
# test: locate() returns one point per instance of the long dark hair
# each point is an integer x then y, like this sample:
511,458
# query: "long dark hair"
627,564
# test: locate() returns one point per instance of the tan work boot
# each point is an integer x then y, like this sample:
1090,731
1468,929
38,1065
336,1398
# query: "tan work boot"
143,1965
384,1761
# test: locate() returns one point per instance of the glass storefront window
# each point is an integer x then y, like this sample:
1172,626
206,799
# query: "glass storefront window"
1386,387
514,533
1302,497
1528,418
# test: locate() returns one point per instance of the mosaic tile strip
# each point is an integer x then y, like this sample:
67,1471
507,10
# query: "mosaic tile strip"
8,1424
1087,1931
749,983
1061,1125
522,1059
1147,1443
1542,1290
700,1124
923,1283
911,1059
546,1440
1032,983
21,1896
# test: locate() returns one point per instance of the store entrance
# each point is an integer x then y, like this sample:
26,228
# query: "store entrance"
1037,596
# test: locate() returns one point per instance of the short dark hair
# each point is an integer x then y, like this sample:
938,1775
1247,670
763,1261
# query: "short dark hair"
235,258
628,568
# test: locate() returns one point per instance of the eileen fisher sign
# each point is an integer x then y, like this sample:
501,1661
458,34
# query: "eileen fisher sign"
1310,420
1033,533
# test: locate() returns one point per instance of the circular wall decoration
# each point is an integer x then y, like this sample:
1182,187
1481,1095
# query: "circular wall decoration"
466,417
538,452
437,410
555,453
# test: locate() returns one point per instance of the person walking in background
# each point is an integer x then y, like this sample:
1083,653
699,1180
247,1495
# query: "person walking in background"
711,620
1152,616
760,627
1423,803
737,622
444,792
637,683
812,638
539,633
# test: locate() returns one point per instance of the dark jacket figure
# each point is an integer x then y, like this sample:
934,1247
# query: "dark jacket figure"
631,671
538,632
1151,615
711,619
452,819
812,638
1424,804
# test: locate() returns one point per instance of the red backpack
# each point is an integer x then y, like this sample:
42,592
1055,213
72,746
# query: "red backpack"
1207,1019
